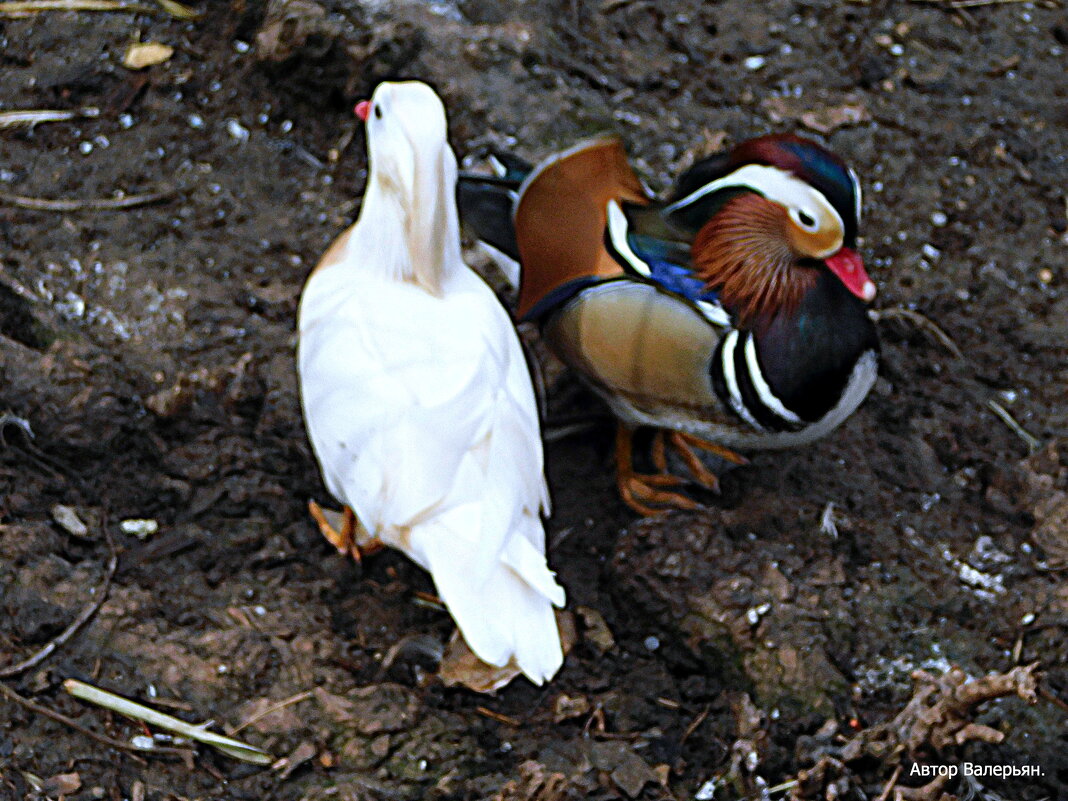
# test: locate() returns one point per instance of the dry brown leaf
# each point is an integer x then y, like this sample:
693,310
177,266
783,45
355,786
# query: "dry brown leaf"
461,668
61,784
146,54
822,119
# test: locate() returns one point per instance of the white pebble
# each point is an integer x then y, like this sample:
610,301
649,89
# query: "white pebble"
241,46
931,252
651,643
196,121
939,218
138,527
126,121
85,148
753,63
237,130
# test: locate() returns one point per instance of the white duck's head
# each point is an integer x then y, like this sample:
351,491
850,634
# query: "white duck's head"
410,160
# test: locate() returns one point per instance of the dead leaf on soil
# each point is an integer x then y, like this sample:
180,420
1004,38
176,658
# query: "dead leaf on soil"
288,25
824,119
61,784
535,783
146,54
628,771
461,668
595,629
372,710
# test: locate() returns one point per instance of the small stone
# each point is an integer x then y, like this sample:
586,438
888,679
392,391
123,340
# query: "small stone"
140,528
753,63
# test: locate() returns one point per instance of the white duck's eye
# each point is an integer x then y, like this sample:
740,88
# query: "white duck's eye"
378,112
803,219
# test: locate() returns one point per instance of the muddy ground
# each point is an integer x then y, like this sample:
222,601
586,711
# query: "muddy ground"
151,351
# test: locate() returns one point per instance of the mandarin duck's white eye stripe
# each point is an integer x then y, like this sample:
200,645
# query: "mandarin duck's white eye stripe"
617,234
773,183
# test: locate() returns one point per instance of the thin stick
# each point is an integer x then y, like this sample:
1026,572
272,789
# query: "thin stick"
13,696
885,794
497,716
922,322
296,699
131,709
955,4
694,724
1033,443
32,117
77,623
95,204
19,7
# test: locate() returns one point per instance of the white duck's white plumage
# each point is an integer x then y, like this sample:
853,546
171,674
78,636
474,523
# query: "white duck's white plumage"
417,397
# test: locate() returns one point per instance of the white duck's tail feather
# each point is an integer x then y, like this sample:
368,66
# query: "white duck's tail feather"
509,614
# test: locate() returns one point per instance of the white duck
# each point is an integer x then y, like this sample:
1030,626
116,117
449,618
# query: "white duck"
417,396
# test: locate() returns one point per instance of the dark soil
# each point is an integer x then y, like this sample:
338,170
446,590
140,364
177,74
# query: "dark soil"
151,351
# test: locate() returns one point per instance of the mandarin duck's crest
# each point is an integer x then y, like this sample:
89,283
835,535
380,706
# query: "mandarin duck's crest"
731,314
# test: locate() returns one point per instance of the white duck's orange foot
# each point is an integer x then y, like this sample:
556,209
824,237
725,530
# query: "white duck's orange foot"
639,490
345,539
684,445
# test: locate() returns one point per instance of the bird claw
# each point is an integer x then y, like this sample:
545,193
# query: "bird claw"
638,491
345,539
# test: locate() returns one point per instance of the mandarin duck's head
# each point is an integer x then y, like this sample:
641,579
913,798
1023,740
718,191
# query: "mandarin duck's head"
768,217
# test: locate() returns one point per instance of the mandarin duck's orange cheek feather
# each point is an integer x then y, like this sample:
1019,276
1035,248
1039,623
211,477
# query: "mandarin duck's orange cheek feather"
727,315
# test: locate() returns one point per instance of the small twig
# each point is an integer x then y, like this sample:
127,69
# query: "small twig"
958,4
131,709
18,8
1033,443
923,323
77,623
497,716
95,204
296,699
13,696
694,724
32,117
32,6
1052,697
885,794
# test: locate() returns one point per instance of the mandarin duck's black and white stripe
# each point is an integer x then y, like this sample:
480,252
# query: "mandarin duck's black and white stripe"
731,315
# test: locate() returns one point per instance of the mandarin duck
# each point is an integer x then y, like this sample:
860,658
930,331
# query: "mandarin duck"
418,401
731,315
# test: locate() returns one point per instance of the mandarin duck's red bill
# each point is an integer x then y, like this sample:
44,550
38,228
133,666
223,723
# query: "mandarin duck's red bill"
417,399
731,315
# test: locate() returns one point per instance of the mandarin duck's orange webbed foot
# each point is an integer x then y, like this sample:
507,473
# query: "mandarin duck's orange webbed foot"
345,539
638,490
685,443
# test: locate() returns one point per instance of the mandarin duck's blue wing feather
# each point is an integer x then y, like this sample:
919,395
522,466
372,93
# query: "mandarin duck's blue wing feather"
647,245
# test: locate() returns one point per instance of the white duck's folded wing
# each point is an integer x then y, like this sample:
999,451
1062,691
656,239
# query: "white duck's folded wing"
420,411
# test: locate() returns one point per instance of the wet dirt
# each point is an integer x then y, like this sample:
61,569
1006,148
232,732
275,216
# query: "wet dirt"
151,351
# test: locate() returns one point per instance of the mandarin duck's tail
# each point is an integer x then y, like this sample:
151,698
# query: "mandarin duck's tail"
486,206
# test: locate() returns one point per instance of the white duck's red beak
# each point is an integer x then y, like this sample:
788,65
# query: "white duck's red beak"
363,110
